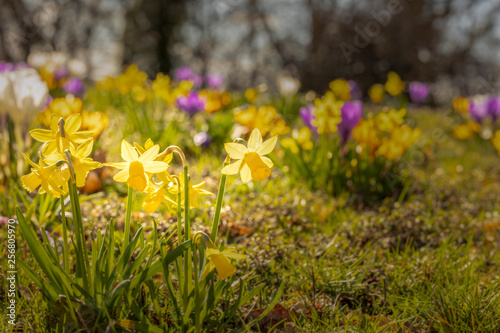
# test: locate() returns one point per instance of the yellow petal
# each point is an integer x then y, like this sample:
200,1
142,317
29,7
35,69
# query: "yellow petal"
73,123
137,178
268,161
85,148
259,169
129,154
232,168
246,174
155,166
150,154
119,165
121,176
236,151
42,135
267,146
255,140
30,181
223,266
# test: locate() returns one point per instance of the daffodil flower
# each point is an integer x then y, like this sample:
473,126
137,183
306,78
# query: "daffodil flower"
45,176
220,261
195,191
250,161
135,168
155,196
327,112
52,135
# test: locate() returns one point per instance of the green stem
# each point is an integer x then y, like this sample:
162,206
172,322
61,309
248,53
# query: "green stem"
65,236
126,235
197,301
187,235
218,207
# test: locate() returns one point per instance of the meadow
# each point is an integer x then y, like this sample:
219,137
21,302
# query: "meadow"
301,213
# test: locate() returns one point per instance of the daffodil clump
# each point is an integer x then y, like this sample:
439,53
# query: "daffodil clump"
264,118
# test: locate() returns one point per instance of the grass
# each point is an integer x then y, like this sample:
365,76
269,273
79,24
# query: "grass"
428,263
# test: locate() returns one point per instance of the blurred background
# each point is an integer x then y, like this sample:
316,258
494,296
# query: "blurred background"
453,45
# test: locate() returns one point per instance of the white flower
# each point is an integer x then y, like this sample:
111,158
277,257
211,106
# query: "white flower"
22,94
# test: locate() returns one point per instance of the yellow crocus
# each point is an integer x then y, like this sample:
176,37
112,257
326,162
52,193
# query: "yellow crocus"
394,85
387,121
261,118
341,89
390,149
461,105
466,131
327,113
135,168
250,161
366,135
62,107
376,93
51,136
220,261
94,122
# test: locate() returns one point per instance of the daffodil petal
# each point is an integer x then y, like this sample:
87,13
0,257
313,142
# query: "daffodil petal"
155,166
129,154
85,148
150,154
236,151
255,140
121,176
42,135
267,146
246,174
118,165
73,123
232,168
80,137
267,161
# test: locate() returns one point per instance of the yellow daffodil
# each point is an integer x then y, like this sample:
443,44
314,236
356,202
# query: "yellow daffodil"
327,113
195,191
390,149
45,176
366,135
250,161
265,118
461,105
94,122
62,107
155,196
387,121
405,135
132,77
161,87
394,85
52,135
341,89
220,261
135,168
302,138
376,93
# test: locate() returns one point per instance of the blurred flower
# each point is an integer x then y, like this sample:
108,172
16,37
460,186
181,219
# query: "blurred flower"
74,86
466,131
355,90
494,108
341,89
6,67
134,169
22,94
191,104
302,138
214,81
197,80
386,121
308,116
131,78
215,100
394,85
327,113
496,141
140,93
77,68
402,137
288,86
94,122
351,113
366,135
418,92
478,109
250,161
461,104
251,94
48,77
183,74
202,139
220,261
61,73
62,107
376,93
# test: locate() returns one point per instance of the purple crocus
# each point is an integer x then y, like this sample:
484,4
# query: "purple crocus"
351,113
191,103
74,86
197,80
6,67
61,73
478,109
183,74
418,92
202,139
214,81
355,90
307,115
494,107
